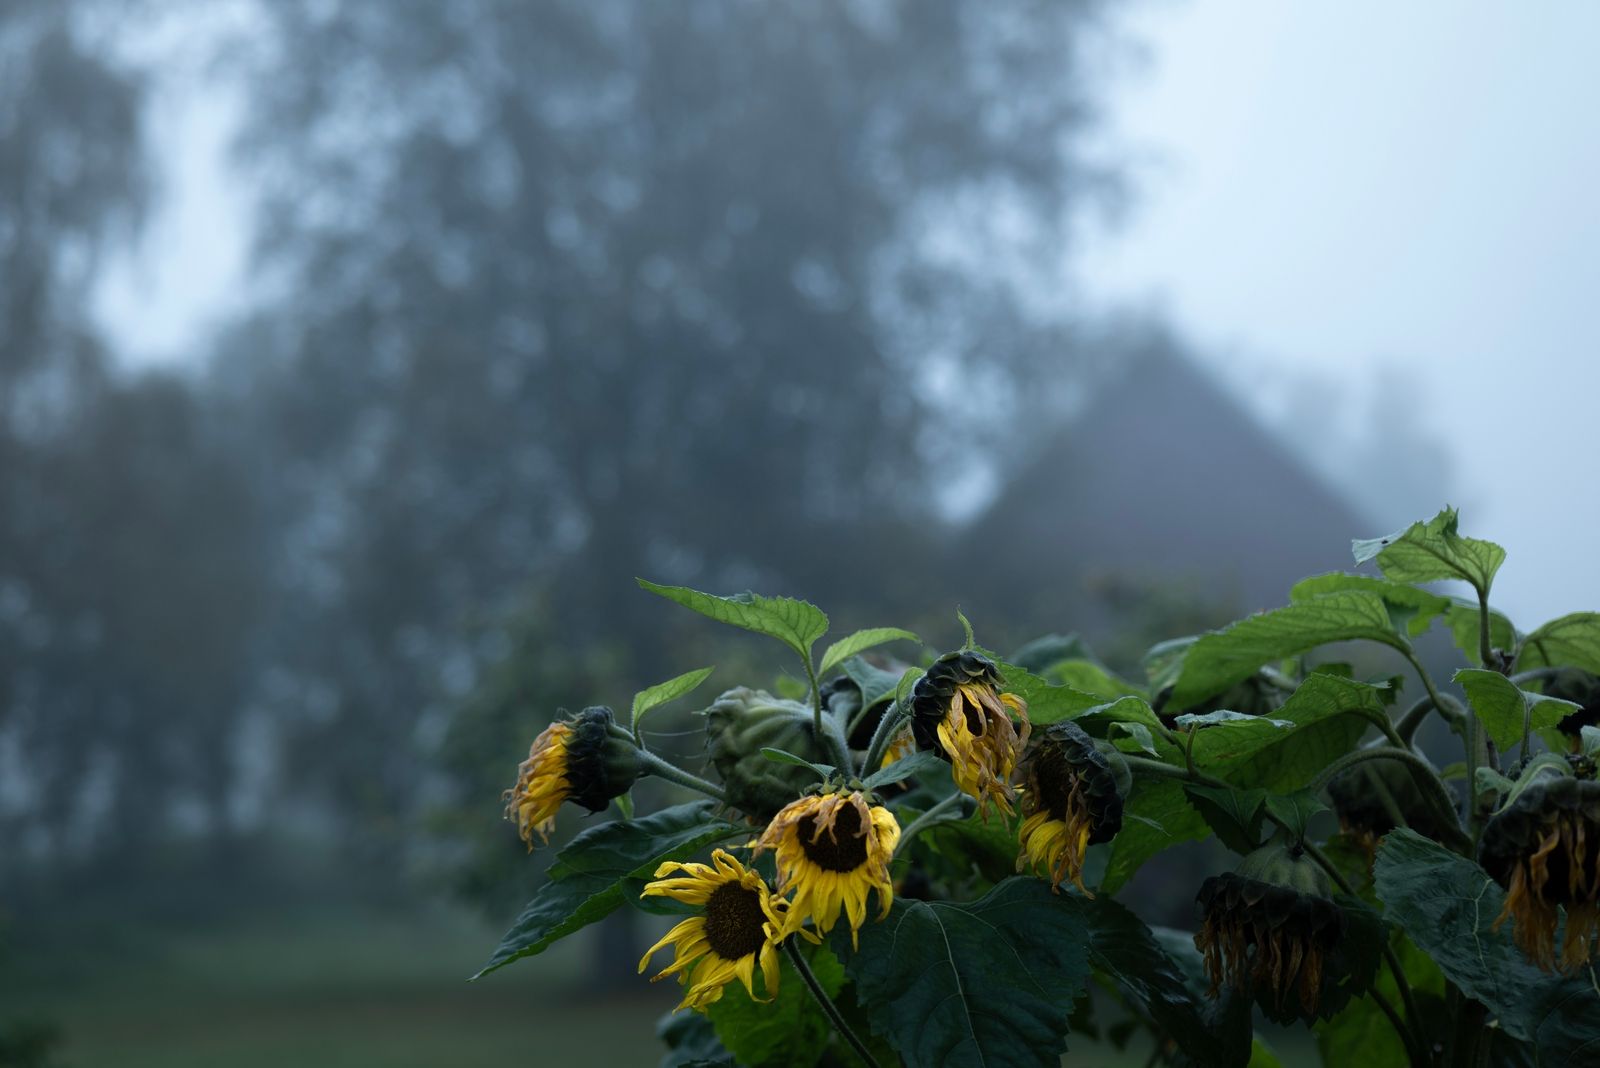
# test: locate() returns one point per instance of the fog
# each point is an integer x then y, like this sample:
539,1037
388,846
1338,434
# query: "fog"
356,357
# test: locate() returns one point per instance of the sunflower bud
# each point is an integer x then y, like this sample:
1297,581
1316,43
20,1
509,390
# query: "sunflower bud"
958,711
1071,802
1544,848
1270,928
574,759
1362,798
738,726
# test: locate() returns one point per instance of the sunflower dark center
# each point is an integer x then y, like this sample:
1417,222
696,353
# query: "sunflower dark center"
1055,781
734,920
845,849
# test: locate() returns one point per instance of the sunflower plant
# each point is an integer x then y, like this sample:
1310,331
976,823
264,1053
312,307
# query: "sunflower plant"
932,861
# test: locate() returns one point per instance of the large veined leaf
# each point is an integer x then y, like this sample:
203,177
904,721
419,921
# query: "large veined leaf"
1047,703
798,624
1500,706
591,877
1448,906
1427,552
789,1030
1411,608
860,642
1155,815
987,983
1571,641
1221,658
1325,717
1087,676
1462,619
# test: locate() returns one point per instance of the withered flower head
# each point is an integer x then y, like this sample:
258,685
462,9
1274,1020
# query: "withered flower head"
832,850
958,711
1544,848
577,760
1362,798
738,929
1582,689
1269,929
1071,802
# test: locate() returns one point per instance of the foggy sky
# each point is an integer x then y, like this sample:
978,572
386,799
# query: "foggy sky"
1324,195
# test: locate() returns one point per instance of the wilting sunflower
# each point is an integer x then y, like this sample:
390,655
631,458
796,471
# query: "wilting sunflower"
958,711
831,850
572,760
1544,848
1366,798
903,745
740,927
1268,938
1070,801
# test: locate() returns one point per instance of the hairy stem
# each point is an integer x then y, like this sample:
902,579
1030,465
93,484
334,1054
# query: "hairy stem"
937,814
825,1003
888,727
672,773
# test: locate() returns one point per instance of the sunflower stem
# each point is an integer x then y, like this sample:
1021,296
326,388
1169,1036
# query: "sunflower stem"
672,773
936,814
825,1003
888,726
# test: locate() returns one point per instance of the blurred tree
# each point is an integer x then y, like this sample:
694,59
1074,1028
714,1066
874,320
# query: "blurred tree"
129,574
578,291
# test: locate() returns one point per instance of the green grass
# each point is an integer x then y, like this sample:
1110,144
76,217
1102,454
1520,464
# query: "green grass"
335,990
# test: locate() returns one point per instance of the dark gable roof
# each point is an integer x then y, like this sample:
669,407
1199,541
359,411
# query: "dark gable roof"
1163,475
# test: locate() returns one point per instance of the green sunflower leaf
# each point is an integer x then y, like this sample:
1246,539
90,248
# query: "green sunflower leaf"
1325,717
860,642
1427,552
1448,906
1155,815
903,769
788,1030
1221,658
1412,609
663,692
593,875
1234,816
1571,641
1500,706
798,624
1462,619
985,983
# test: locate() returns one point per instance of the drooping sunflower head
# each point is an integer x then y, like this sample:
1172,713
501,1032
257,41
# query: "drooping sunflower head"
1070,801
959,712
738,929
1367,796
1544,848
1582,689
832,850
1269,929
742,722
574,759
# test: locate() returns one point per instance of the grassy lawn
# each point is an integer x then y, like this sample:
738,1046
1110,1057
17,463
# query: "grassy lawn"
332,991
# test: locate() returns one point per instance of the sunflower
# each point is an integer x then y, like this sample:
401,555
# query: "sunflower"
1268,939
958,711
903,745
1071,802
1544,848
741,927
574,759
831,850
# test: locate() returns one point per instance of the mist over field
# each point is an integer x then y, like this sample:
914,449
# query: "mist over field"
356,358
